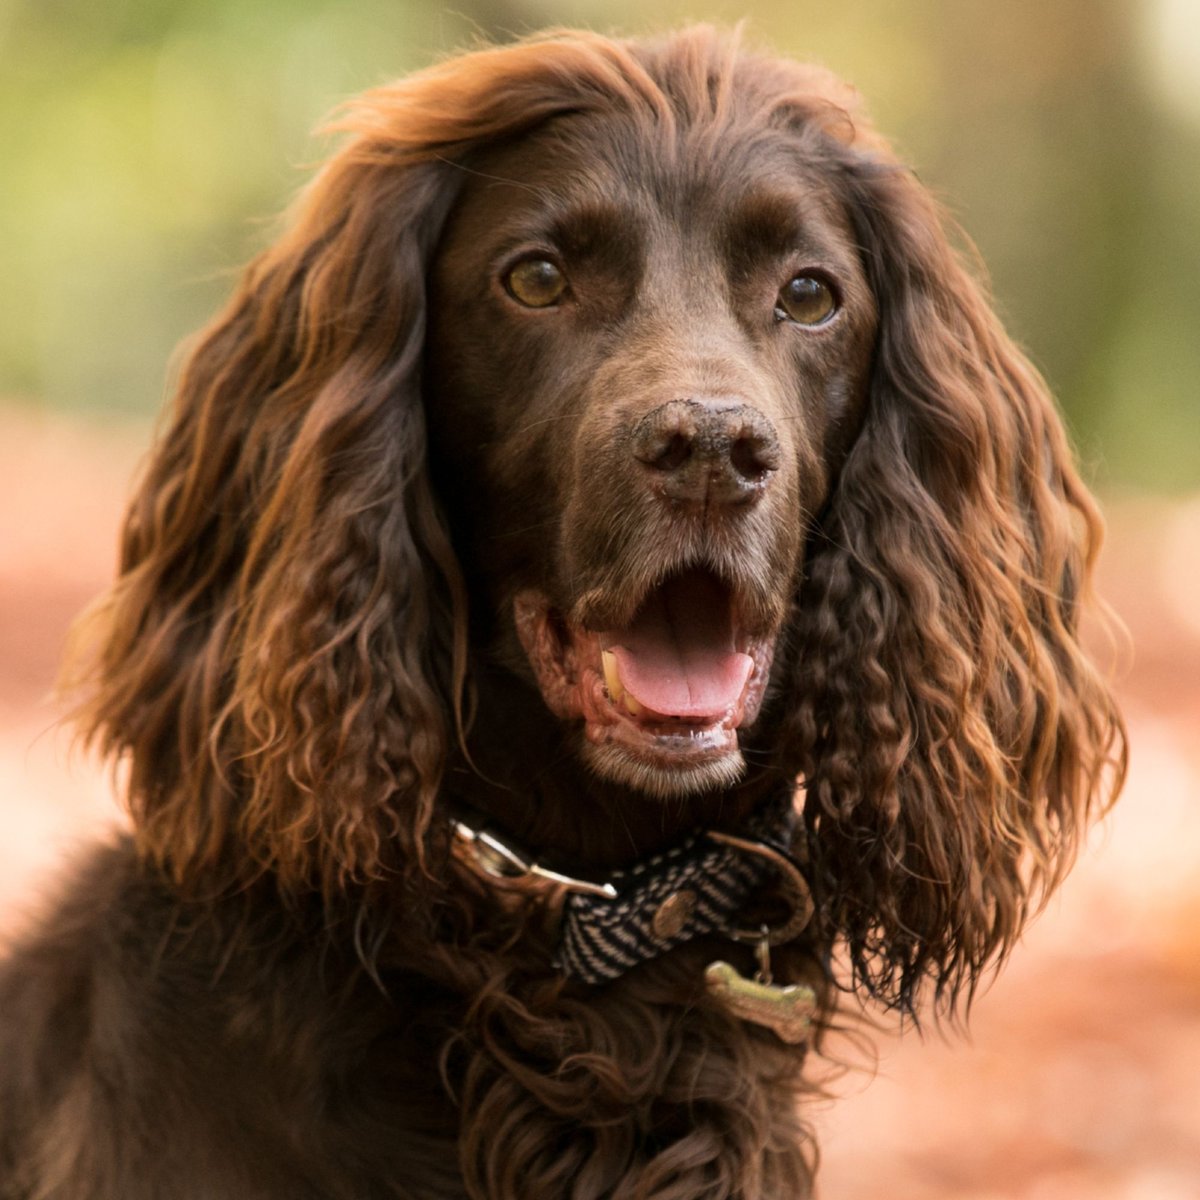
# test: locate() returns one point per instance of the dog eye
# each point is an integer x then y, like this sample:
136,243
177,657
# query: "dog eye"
807,300
536,283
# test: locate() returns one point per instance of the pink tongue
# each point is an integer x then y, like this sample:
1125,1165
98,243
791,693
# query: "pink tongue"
678,656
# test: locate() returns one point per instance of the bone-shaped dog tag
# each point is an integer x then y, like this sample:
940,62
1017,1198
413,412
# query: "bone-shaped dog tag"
786,1011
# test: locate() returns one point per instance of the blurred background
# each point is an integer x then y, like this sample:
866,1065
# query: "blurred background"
145,148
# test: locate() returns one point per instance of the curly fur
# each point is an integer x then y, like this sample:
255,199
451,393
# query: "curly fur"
283,987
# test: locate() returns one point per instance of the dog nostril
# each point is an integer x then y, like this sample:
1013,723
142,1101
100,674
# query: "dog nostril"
754,458
674,454
664,441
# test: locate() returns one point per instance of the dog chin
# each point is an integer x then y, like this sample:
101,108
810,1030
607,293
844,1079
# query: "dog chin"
667,775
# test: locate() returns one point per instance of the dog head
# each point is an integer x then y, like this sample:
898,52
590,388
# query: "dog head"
651,339
646,374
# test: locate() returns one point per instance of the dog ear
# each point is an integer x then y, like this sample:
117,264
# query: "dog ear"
277,659
284,651
953,736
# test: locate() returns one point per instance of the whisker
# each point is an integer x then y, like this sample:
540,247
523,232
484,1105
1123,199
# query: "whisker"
542,421
505,533
459,166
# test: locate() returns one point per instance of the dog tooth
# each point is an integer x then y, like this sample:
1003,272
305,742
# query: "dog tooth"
612,679
632,706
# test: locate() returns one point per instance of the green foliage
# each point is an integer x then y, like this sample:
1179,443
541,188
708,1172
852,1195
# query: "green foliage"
145,145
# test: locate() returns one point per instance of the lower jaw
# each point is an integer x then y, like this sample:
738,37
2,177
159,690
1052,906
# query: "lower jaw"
666,764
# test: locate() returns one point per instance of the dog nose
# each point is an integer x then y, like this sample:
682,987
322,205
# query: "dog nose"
707,450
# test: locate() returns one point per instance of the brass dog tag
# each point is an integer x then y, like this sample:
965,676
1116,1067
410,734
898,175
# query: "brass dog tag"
786,1011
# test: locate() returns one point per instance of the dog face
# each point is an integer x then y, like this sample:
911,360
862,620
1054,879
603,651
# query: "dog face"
648,355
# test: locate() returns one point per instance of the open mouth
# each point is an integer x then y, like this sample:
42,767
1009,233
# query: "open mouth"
663,696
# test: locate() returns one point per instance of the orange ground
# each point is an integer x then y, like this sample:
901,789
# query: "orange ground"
1080,1079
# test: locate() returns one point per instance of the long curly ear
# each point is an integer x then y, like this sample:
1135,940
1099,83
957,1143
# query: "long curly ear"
282,654
276,657
952,735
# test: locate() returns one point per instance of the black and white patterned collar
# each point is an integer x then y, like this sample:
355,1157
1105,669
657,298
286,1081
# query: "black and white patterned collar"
699,886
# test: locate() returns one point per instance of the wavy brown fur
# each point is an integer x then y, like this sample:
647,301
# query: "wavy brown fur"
288,667
953,735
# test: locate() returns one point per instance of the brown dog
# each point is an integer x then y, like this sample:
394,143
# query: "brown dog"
612,440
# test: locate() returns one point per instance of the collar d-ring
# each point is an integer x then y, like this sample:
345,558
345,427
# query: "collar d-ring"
795,891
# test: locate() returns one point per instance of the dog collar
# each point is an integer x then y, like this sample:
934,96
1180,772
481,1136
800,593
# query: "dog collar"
699,886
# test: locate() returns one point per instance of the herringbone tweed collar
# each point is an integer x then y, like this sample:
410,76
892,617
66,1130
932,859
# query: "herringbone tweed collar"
700,886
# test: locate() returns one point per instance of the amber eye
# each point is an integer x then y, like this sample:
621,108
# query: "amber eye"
807,300
536,283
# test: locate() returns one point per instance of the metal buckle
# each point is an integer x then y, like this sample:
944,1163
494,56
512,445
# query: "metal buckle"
495,858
